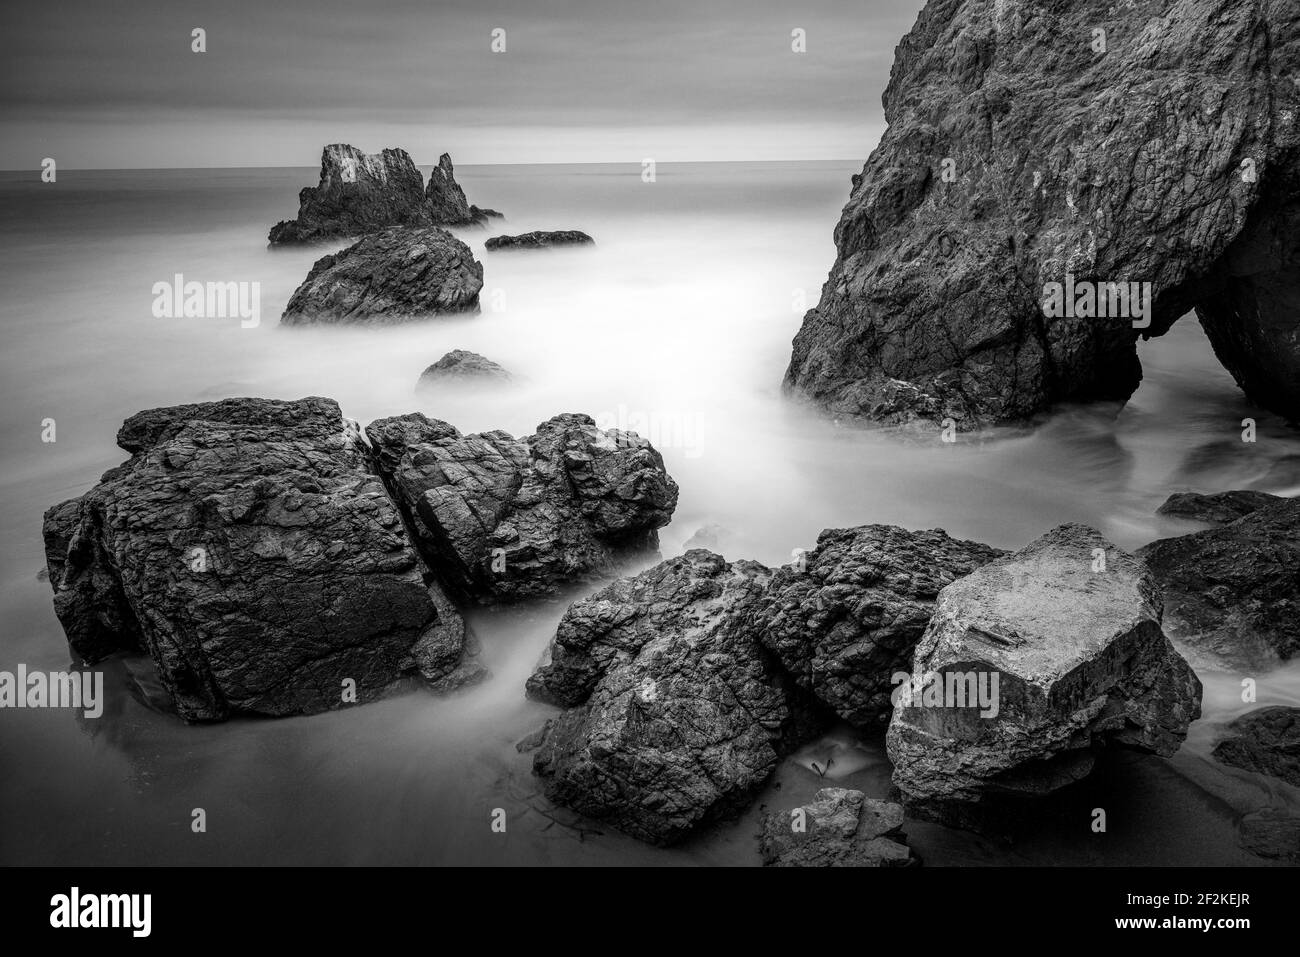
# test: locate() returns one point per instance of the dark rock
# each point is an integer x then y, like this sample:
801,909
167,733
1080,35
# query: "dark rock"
249,550
1273,833
540,239
848,616
1266,740
1218,508
1065,162
1080,662
676,713
390,276
459,366
361,193
840,828
1233,593
500,518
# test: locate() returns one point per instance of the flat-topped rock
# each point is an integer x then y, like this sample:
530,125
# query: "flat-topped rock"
1217,508
540,239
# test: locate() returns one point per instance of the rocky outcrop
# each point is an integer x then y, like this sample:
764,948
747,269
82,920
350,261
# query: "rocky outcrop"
502,518
847,616
1027,666
1233,593
248,549
390,276
840,828
362,193
540,239
676,714
1266,740
458,367
1077,143
1218,508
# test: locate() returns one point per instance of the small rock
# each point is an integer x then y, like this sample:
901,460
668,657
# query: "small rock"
1219,508
840,828
460,366
540,239
1266,740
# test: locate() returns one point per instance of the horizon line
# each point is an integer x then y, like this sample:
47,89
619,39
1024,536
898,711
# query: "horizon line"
630,162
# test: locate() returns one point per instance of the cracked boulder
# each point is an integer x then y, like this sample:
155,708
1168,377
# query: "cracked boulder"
838,828
675,714
247,548
1028,666
502,519
848,615
390,276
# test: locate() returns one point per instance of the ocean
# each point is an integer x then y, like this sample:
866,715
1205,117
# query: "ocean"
676,323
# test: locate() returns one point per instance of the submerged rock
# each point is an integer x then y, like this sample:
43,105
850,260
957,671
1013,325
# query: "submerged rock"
1218,508
676,713
1266,740
840,828
459,366
248,549
1233,593
1025,148
847,616
502,518
362,193
1079,661
540,239
390,276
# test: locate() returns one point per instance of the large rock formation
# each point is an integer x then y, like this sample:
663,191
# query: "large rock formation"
848,615
501,518
361,193
1233,593
1266,740
1069,628
1033,142
249,550
393,275
676,713
540,239
839,828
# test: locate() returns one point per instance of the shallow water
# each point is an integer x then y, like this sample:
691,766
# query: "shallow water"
677,324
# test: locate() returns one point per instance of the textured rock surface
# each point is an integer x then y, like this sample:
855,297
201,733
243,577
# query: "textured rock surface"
502,518
1233,593
460,366
1218,508
247,548
363,193
540,239
840,828
851,616
676,715
1080,659
1169,158
1266,740
389,276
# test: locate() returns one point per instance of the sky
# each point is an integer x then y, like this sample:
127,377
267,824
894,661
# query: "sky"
98,84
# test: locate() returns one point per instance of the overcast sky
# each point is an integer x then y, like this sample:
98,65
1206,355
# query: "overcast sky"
100,84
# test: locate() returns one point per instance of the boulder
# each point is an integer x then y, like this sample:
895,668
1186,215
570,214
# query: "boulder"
1218,508
501,518
362,193
458,367
248,549
839,828
1233,593
390,276
1035,153
676,714
847,616
1065,634
1266,740
540,239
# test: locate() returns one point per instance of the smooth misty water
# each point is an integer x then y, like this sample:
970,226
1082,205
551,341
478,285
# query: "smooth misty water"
682,313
